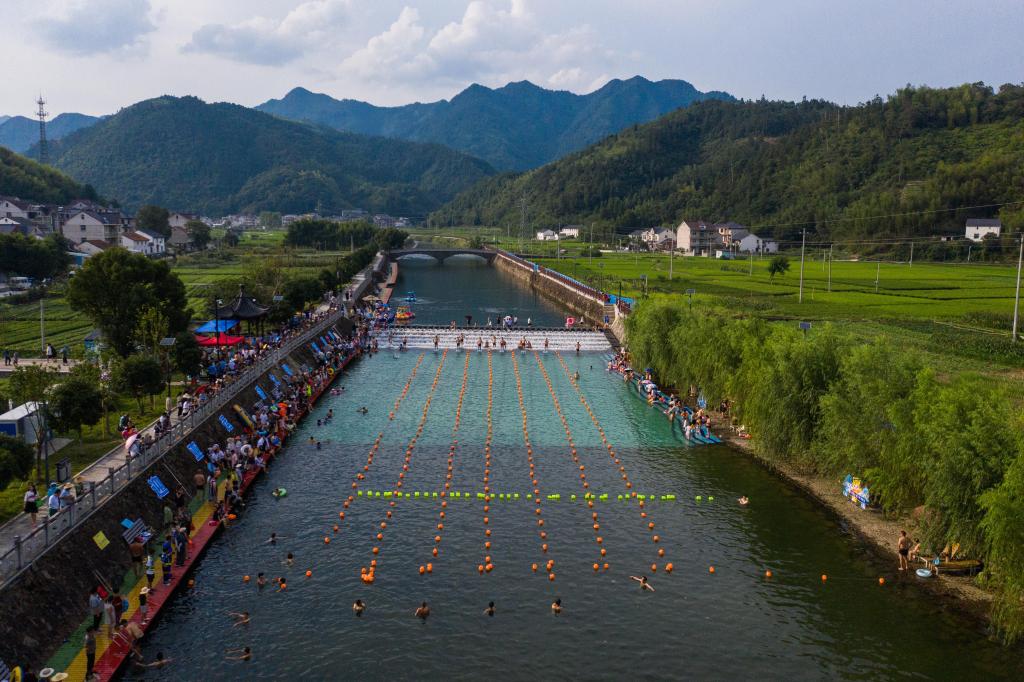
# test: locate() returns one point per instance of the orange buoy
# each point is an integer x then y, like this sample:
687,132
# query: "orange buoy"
380,536
544,547
551,577
335,528
437,538
487,545
309,574
245,578
654,568
711,569
604,551
480,568
423,569
376,550
596,567
824,577
669,567
767,574
881,581
430,568
656,538
435,551
661,552
327,541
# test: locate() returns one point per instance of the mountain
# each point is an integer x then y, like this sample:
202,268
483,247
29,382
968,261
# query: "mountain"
18,133
514,127
24,178
783,165
219,158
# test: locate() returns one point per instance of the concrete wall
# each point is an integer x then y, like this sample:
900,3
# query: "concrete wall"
47,602
582,306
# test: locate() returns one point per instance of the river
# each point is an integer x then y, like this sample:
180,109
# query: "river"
732,623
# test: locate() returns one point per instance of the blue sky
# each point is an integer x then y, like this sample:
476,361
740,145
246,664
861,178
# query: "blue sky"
95,56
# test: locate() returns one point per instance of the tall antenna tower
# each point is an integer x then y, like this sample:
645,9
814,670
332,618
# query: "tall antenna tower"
44,156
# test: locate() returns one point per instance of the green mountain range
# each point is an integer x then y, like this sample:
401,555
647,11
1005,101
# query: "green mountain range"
24,178
19,133
514,127
782,166
217,158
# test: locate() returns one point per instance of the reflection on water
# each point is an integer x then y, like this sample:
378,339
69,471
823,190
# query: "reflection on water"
697,625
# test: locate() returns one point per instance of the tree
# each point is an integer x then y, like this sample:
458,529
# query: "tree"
151,329
31,384
299,291
74,403
154,219
198,232
115,287
186,354
139,376
15,459
230,238
270,220
779,265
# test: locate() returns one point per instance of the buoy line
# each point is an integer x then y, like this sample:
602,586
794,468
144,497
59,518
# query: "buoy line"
487,564
368,575
549,566
429,567
360,476
655,538
582,469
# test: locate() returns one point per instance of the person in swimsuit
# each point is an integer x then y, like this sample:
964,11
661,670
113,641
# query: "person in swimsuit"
358,607
644,585
556,607
744,501
903,549
423,612
243,654
240,618
489,611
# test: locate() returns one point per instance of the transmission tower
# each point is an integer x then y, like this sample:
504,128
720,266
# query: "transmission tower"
44,156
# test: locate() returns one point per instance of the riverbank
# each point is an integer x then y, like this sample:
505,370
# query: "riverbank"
872,528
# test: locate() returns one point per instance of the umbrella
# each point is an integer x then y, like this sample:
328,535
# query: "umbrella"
131,441
371,298
219,340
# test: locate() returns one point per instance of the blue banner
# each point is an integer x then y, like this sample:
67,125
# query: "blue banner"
325,341
260,393
286,368
315,347
158,487
226,424
277,382
196,451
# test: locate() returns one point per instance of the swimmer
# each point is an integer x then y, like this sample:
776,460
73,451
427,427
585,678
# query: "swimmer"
358,607
489,611
261,581
243,654
556,607
362,410
272,540
281,585
277,492
318,422
423,612
744,501
311,440
158,662
644,585
240,618
576,376
318,445
290,559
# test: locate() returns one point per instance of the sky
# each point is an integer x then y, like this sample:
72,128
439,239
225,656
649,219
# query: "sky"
96,56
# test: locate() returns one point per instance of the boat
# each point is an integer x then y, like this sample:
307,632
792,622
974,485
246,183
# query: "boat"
410,297
404,314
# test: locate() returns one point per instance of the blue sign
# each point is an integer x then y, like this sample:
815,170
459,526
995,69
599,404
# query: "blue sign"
226,424
196,451
260,393
286,368
277,382
324,341
315,347
158,487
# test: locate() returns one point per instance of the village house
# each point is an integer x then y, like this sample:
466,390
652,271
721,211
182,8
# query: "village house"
145,243
754,244
547,235
659,239
698,238
88,224
570,231
11,207
91,247
979,228
179,239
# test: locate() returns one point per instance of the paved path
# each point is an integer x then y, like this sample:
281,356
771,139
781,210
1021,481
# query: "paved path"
55,365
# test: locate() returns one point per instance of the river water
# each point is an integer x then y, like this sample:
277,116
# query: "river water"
697,624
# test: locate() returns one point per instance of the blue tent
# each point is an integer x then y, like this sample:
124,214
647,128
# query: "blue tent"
214,326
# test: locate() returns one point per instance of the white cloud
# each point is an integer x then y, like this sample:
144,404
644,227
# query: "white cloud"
495,41
88,27
314,24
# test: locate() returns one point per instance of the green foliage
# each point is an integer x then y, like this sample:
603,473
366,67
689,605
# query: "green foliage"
198,232
74,403
223,158
328,234
781,165
299,291
139,376
30,257
186,354
24,178
15,459
230,238
779,265
270,220
115,287
154,219
1004,532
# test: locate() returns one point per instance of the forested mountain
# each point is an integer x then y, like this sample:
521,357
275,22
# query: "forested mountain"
24,178
218,158
514,127
19,133
773,164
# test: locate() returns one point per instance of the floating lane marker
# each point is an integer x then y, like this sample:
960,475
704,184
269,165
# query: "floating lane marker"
487,565
582,469
655,538
368,575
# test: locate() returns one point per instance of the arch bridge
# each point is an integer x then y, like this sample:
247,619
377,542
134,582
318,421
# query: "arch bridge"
441,255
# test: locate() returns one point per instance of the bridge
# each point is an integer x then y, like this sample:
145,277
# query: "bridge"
441,255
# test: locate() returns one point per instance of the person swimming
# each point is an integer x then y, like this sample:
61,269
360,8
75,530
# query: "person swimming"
644,585
358,607
290,559
362,410
489,611
261,580
423,612
243,654
240,618
272,540
744,501
556,607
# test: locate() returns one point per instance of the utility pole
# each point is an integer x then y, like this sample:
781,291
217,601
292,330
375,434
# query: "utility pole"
590,247
830,267
878,271
671,254
42,327
751,264
911,254
1016,296
44,152
522,223
803,243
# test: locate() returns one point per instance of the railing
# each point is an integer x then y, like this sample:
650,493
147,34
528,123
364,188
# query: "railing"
25,550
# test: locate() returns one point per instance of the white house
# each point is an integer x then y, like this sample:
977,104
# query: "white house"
978,228
659,238
85,225
179,219
547,235
13,208
569,232
753,243
90,247
144,243
731,234
156,246
698,238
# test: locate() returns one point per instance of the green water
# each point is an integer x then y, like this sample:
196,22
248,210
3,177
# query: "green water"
727,625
